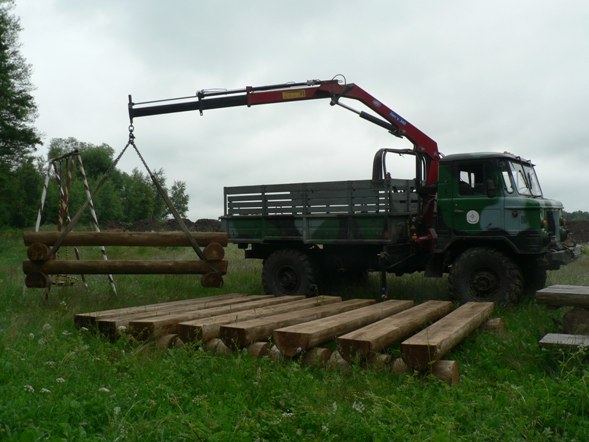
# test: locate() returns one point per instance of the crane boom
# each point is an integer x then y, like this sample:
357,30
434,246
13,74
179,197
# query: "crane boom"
309,90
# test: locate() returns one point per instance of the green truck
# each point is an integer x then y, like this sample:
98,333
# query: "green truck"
481,218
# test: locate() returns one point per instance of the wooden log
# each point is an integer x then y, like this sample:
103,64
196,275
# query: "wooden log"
110,325
297,338
38,252
316,357
162,324
209,328
563,340
142,239
275,354
116,267
212,280
243,333
169,341
336,362
216,346
431,344
361,343
564,295
400,367
214,252
259,349
89,319
576,321
495,325
446,371
37,280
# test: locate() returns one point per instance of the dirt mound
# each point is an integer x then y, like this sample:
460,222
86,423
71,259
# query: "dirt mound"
150,225
579,231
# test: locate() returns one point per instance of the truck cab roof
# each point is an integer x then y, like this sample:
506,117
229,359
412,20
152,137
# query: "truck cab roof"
482,156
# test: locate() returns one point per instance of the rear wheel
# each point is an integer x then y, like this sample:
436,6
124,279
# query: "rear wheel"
288,272
484,274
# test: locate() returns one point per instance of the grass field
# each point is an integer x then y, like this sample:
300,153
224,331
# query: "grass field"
61,383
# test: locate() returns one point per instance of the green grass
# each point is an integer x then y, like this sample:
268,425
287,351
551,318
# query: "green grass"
60,383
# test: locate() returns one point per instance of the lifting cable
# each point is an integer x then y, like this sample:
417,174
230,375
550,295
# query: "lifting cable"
161,191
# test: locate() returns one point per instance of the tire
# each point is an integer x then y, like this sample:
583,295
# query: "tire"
484,274
288,272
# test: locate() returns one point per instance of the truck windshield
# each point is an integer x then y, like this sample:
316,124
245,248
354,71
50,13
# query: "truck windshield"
525,179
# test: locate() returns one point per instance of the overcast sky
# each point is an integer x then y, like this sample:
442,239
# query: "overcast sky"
473,75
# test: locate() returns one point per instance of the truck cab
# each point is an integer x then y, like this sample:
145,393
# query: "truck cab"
491,208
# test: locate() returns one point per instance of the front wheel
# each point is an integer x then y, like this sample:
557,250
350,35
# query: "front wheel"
288,272
484,274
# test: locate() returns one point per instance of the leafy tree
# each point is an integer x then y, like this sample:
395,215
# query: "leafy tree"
138,197
19,199
159,205
577,215
123,197
179,198
18,138
96,159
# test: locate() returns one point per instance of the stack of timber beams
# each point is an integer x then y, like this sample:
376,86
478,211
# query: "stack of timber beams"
295,326
575,321
42,263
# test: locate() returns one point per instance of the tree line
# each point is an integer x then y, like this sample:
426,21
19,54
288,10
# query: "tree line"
126,197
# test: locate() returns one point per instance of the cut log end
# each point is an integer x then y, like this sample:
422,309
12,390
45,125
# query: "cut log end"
169,341
214,252
37,280
217,346
316,357
400,367
446,371
212,280
495,325
38,251
259,349
337,362
275,355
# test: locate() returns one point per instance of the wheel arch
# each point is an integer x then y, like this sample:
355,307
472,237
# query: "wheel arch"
453,251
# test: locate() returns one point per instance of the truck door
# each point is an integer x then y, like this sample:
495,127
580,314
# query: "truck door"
477,207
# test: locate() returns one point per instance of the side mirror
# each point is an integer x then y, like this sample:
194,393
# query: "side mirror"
491,188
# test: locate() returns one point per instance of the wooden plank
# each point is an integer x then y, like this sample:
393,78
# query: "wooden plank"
564,295
368,340
295,339
158,325
438,339
243,333
118,267
209,328
144,239
89,319
563,340
110,325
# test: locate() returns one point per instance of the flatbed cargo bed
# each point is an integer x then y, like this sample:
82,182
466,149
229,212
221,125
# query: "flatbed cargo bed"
362,211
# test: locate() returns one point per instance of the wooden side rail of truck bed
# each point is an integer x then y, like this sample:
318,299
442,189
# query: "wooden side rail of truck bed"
394,196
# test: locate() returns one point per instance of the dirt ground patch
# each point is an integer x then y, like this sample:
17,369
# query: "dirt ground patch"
579,231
